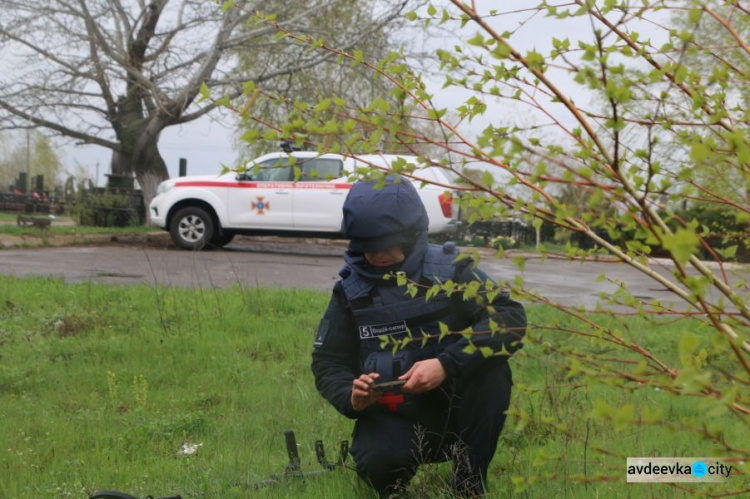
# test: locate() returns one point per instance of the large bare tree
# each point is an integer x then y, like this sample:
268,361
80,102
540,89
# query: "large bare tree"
115,73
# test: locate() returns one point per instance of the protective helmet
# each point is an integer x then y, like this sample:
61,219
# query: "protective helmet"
376,218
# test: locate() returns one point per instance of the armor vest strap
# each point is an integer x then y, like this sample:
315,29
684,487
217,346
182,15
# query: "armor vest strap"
354,286
439,263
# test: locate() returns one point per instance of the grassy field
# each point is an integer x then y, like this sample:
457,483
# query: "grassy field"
15,230
63,231
7,217
100,386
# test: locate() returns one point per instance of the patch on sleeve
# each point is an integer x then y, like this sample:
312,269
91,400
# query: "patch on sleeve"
325,325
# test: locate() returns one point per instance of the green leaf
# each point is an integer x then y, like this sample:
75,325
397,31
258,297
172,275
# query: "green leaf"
471,290
535,60
488,179
271,135
681,74
503,50
477,40
698,152
469,349
205,92
358,58
248,87
227,5
443,330
728,253
401,278
432,292
251,136
323,105
694,15
436,114
691,381
682,244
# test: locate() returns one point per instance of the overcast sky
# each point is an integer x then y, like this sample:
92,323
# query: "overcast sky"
208,142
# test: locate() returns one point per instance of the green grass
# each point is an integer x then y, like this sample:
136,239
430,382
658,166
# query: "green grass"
101,385
8,217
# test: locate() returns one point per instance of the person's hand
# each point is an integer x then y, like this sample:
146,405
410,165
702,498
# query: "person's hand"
363,396
423,376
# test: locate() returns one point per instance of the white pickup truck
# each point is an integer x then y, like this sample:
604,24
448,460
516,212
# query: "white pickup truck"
208,211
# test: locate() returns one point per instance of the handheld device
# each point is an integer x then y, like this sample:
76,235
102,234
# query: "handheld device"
389,384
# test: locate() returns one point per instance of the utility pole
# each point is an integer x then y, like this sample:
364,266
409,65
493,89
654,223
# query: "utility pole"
28,155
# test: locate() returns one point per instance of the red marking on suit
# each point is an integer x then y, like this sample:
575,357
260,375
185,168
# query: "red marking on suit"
391,400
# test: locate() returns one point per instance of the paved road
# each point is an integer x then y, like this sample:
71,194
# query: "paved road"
128,264
301,264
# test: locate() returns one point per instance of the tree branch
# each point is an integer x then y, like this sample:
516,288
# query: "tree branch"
89,139
727,27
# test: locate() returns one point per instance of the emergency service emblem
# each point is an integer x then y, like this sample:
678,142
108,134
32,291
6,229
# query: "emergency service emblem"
260,205
374,331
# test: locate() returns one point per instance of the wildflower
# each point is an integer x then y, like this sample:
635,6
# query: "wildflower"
189,449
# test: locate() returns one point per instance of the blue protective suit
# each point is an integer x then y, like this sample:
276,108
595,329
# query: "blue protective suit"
468,409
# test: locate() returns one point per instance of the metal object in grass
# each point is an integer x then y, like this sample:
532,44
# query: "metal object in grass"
293,468
35,222
112,494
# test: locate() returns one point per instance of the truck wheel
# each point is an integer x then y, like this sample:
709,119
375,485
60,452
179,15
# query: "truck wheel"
221,239
192,228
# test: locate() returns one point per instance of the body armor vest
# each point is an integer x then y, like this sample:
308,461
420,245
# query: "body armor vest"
382,310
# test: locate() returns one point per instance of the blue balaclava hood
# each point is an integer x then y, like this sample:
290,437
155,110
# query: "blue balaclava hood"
379,217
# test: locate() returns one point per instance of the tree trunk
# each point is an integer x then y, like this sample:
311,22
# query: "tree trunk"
142,158
149,182
150,178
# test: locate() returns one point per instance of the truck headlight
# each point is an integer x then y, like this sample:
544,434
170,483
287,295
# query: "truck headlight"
164,187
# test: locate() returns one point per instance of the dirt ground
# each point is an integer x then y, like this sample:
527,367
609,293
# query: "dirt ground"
155,239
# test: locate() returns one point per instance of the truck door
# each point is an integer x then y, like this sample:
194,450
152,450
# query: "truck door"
319,194
262,197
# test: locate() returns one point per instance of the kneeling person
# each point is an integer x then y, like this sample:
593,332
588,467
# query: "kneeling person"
452,404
